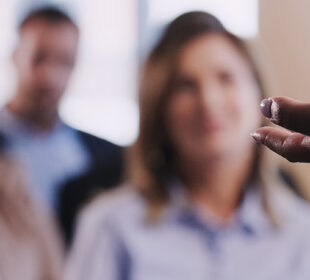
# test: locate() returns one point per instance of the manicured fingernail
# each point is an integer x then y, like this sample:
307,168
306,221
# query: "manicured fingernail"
265,107
256,136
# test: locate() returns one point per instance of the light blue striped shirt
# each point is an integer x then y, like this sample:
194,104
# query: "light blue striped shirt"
47,158
115,241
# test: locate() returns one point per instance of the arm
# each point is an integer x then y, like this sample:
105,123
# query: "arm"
94,254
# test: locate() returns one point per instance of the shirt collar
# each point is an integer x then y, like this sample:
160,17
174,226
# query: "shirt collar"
250,217
17,126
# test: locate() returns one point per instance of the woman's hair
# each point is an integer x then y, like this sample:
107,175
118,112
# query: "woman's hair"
152,155
25,224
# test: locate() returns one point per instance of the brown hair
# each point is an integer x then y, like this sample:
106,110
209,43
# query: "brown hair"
152,156
25,227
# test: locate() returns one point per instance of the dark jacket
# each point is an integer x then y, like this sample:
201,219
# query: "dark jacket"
105,172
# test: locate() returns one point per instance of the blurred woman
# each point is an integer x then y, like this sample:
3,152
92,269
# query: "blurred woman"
198,204
30,248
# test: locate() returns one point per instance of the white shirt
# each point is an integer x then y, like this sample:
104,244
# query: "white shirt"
115,242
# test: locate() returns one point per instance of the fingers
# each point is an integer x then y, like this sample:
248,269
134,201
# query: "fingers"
288,113
295,147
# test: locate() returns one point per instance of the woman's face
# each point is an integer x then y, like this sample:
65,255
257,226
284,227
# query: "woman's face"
213,106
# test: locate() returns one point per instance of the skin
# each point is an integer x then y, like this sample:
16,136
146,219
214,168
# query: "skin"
44,60
292,141
211,111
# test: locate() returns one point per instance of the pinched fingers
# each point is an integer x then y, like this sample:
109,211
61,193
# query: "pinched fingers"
293,146
288,113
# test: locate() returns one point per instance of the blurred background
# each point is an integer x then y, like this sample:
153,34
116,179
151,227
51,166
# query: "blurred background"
116,35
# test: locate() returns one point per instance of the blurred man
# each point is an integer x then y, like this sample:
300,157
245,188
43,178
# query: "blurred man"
64,166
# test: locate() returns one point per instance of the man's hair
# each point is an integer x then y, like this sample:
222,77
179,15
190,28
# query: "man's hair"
48,14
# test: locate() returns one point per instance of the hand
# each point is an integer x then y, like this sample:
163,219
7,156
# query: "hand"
293,143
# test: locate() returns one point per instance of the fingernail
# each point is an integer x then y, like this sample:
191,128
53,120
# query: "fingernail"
256,136
265,107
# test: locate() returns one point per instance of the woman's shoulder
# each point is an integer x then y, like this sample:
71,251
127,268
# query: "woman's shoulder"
122,203
101,222
293,211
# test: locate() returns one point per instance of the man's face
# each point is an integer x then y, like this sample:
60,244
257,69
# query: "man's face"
44,59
